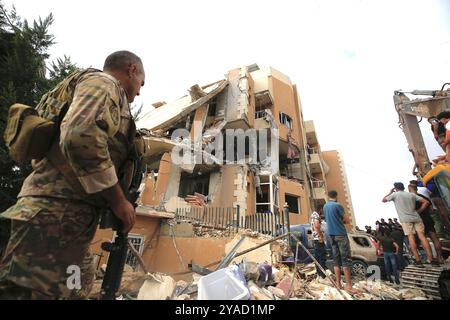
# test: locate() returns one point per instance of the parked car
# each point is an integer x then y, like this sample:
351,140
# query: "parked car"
364,248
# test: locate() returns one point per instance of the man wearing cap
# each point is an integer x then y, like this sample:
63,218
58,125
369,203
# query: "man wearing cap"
405,203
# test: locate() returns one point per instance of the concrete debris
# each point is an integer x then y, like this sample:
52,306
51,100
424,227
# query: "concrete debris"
266,278
208,232
168,114
386,291
131,282
289,285
251,233
414,294
260,255
181,286
330,293
279,273
277,292
196,199
157,287
308,272
258,293
250,270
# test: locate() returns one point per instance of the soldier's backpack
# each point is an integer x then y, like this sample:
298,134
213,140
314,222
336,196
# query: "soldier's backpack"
30,132
27,135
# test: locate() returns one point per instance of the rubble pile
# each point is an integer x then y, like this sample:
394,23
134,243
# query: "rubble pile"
132,282
259,272
208,232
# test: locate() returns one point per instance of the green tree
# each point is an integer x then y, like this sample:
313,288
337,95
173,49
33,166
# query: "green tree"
24,78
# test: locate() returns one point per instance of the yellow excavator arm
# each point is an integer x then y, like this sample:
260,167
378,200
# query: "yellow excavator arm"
409,111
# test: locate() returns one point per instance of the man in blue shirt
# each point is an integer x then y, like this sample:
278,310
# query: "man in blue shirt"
334,216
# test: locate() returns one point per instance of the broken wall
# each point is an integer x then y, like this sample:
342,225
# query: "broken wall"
215,187
239,97
294,188
284,101
160,252
155,189
144,226
226,198
240,189
173,187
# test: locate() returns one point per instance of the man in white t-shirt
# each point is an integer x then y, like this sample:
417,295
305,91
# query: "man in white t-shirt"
405,204
318,236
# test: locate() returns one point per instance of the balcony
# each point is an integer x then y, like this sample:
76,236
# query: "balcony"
319,191
311,136
263,119
263,99
315,163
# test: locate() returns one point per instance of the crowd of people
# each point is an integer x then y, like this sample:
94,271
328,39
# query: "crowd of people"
381,225
418,217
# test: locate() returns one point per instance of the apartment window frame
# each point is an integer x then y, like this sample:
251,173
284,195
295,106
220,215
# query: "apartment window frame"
202,181
286,120
138,242
290,201
212,108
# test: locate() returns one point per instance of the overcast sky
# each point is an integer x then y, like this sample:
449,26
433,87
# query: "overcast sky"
346,57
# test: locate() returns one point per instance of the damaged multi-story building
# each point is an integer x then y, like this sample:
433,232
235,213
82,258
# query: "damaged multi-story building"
236,153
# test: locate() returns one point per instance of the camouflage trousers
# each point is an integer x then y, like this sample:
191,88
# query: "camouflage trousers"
47,249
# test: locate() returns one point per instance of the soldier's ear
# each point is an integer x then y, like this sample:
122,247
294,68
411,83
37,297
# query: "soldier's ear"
132,70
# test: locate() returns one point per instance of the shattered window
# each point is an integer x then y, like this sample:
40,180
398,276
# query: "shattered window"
212,108
292,202
286,120
193,183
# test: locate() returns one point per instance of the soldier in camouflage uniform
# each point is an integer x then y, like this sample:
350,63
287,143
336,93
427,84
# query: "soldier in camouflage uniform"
55,218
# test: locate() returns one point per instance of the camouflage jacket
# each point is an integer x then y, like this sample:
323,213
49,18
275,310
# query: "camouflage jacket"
95,137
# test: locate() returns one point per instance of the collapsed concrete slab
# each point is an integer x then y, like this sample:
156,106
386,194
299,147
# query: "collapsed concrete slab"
157,287
166,115
260,255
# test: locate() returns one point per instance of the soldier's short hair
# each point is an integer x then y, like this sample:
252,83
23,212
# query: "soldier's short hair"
121,60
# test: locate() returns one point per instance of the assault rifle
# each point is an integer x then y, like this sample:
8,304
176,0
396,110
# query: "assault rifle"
118,250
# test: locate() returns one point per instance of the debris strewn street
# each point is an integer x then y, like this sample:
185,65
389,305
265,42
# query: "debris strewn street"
260,274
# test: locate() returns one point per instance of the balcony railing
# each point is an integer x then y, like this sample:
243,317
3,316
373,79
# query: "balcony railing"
270,223
318,184
213,217
313,150
260,114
